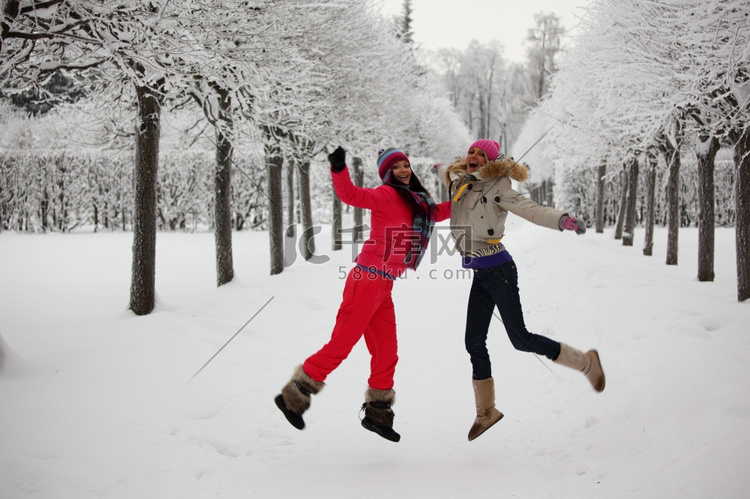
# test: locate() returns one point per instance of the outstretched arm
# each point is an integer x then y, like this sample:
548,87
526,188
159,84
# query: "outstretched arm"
520,205
360,197
443,211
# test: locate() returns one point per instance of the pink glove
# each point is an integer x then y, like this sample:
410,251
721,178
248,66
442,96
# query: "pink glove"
573,223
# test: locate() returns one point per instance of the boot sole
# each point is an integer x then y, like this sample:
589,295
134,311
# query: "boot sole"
599,387
385,432
486,428
291,416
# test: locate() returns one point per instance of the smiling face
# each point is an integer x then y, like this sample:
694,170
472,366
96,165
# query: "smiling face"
401,171
475,159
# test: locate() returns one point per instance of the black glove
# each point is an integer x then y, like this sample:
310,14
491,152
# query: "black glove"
338,159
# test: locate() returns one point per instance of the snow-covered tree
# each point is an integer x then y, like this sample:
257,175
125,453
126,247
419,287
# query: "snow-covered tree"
659,74
293,76
717,56
123,53
544,48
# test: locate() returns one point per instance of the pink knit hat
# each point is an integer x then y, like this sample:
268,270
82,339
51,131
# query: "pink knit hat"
490,147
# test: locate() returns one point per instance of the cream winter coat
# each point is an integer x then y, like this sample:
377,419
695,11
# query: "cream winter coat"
481,203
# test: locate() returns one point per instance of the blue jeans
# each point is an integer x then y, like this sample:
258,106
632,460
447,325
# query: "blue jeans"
498,286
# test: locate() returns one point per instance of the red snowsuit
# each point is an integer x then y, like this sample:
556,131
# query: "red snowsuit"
367,307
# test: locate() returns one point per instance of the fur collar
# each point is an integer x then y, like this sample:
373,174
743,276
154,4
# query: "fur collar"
490,171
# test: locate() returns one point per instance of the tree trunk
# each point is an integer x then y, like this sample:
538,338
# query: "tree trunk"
651,161
307,243
336,223
623,203
600,197
630,211
290,207
742,202
143,283
442,190
9,14
274,163
359,178
534,194
44,209
549,188
706,154
223,195
671,151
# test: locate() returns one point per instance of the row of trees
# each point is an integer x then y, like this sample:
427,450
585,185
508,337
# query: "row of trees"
66,190
292,76
270,86
645,84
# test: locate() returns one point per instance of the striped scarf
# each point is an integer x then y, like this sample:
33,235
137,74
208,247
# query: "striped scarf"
425,215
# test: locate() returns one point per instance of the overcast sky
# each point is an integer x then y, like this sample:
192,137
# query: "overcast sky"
454,23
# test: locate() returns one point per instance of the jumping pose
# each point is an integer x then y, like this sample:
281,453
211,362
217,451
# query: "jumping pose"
402,219
480,186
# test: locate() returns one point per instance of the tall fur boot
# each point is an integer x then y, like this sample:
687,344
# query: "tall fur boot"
378,413
294,398
484,398
588,363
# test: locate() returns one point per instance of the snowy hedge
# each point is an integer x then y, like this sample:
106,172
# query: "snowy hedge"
69,189
575,190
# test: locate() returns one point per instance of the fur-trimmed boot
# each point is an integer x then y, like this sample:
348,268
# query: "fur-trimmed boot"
294,398
588,363
487,415
378,413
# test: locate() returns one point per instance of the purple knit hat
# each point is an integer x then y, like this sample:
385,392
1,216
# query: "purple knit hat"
490,147
387,158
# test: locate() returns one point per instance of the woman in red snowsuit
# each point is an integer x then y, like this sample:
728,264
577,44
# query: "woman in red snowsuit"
402,217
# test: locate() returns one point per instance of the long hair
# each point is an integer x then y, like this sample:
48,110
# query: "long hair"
404,191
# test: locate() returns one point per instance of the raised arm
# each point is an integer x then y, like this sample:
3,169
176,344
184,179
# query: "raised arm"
360,197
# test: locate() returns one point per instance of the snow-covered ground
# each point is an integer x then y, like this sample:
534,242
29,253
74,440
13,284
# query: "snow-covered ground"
95,402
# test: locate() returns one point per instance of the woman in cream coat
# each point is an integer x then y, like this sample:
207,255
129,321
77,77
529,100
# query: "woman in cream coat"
482,196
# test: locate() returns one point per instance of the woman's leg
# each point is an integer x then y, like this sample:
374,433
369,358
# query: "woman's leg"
382,343
478,317
502,283
358,306
381,339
